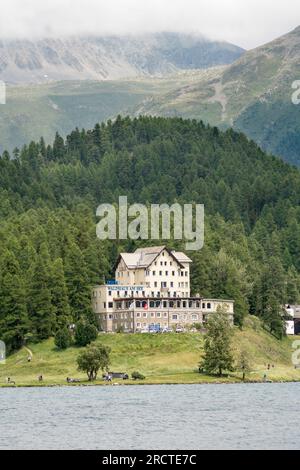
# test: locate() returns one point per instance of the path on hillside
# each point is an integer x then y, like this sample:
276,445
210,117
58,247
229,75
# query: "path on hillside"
29,352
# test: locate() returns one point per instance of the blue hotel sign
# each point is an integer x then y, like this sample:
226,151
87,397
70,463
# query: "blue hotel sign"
126,288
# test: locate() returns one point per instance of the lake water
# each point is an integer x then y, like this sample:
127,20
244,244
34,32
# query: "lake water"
263,416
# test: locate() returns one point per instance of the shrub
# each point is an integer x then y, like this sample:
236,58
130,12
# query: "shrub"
85,333
63,339
137,376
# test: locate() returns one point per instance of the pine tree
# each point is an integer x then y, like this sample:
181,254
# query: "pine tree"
218,356
244,364
42,314
60,300
79,288
14,323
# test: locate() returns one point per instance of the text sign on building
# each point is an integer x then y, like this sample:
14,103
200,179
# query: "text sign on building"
126,288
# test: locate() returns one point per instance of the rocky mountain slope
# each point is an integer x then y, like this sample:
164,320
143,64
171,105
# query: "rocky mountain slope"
254,95
109,57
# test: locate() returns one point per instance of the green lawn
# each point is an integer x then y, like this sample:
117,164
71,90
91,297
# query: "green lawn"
170,358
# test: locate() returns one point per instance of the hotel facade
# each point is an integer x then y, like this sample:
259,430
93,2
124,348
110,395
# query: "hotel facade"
151,292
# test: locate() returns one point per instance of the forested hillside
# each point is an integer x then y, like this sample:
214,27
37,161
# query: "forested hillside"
50,256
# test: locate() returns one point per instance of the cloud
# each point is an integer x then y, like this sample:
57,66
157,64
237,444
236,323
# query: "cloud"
247,23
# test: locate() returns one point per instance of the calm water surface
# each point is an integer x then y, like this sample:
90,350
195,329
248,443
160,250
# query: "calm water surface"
262,416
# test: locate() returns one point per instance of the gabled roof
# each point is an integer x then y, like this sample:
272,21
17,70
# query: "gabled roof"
142,258
182,257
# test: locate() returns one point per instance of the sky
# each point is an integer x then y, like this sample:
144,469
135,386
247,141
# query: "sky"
247,23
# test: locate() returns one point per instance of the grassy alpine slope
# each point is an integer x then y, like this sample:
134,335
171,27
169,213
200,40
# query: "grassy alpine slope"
161,358
32,111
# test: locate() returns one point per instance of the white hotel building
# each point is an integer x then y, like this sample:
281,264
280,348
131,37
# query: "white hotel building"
152,291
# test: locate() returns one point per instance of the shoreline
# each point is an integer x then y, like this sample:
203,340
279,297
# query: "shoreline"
151,384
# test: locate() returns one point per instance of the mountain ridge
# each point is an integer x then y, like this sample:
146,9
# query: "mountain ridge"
110,57
258,84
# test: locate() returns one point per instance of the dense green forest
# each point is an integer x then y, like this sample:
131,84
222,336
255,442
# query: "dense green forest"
50,256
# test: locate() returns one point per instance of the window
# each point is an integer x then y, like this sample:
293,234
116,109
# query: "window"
184,304
203,306
167,273
110,317
166,264
209,306
138,325
186,274
138,315
172,284
158,315
104,304
163,284
153,273
173,273
152,304
160,273
165,304
155,284
109,293
110,305
145,315
161,263
174,317
138,304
